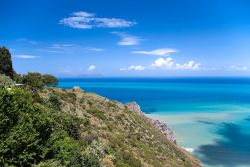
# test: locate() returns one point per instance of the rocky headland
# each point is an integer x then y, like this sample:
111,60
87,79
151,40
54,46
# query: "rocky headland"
125,128
163,127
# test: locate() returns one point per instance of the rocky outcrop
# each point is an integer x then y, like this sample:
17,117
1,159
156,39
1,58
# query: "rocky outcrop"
77,89
164,128
133,106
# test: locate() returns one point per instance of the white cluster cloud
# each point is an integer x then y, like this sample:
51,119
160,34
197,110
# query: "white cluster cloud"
85,20
166,64
127,39
191,65
133,67
158,52
26,56
236,68
91,68
169,64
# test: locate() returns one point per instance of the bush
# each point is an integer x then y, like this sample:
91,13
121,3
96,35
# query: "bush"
24,129
49,163
50,80
37,81
69,153
128,159
31,133
90,137
55,102
6,81
33,81
98,113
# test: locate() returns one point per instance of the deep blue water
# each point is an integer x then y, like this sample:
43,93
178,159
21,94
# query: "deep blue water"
216,110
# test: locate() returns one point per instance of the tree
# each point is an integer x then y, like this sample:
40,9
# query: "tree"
17,77
50,80
24,129
6,67
34,134
33,80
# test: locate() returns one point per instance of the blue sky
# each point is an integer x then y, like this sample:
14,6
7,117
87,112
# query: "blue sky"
154,38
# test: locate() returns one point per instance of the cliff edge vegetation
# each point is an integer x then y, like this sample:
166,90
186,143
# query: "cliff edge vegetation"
44,126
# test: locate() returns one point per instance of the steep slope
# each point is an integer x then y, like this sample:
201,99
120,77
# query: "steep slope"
116,134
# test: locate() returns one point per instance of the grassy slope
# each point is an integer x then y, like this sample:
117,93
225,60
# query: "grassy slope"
121,137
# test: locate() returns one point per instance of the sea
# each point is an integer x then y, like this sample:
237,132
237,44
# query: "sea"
210,117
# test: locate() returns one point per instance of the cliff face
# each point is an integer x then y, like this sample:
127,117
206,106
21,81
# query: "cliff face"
121,135
165,130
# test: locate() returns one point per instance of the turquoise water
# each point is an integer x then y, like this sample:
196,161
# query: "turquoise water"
210,116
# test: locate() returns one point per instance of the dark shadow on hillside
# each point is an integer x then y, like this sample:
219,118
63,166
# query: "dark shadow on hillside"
231,151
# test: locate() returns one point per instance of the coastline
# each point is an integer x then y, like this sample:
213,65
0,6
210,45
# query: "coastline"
197,113
162,127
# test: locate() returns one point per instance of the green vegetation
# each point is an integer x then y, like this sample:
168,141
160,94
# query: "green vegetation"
33,80
50,80
6,63
43,126
38,81
33,134
6,81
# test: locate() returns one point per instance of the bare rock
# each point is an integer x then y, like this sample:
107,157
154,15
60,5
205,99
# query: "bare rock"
133,106
77,89
164,128
167,131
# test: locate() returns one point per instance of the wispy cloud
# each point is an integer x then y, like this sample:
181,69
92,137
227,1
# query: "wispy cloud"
158,52
85,20
126,39
133,67
237,68
94,49
26,56
49,50
61,46
91,68
27,41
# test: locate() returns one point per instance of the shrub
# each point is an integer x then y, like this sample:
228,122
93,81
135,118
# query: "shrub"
33,81
6,81
49,163
31,133
129,159
37,81
50,80
90,137
24,129
98,113
55,102
107,163
69,153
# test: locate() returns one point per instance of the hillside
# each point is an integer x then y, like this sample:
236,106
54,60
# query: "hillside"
118,135
53,127
42,126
